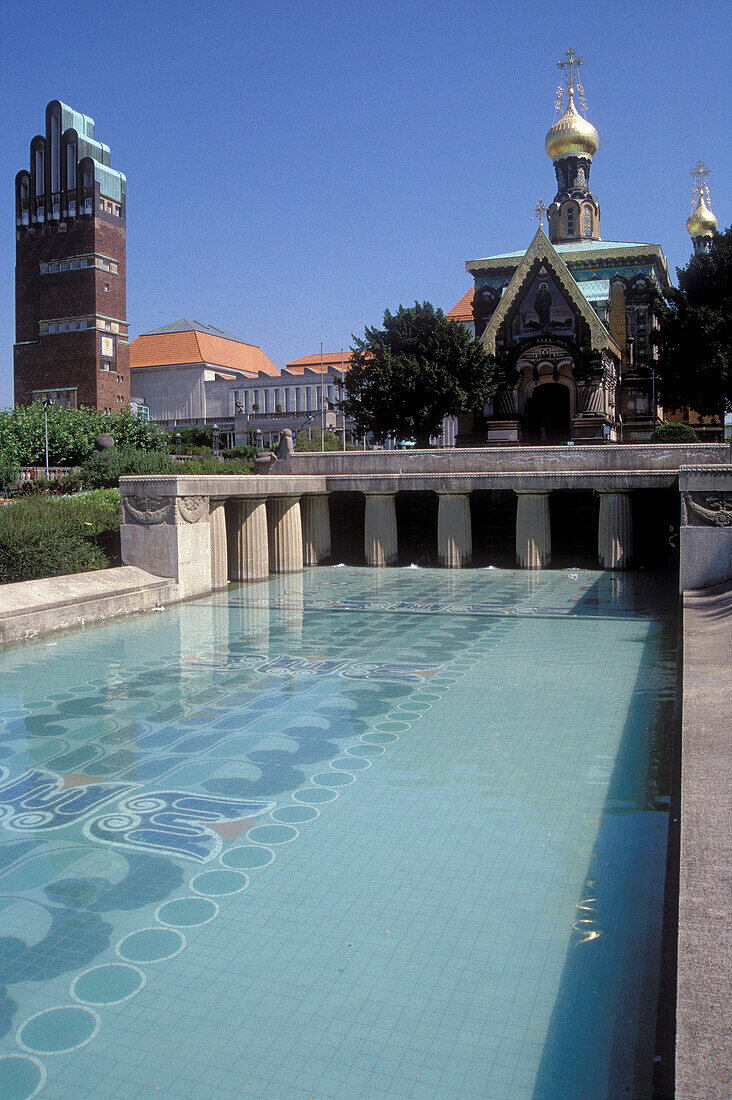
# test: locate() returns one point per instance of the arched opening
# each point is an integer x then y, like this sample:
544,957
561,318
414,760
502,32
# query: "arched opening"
548,418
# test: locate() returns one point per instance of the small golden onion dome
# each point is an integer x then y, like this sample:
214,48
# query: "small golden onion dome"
702,222
571,134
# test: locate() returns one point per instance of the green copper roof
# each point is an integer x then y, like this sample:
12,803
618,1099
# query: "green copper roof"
111,182
567,249
184,325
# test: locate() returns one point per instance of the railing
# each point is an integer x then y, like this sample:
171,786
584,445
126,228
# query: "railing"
33,473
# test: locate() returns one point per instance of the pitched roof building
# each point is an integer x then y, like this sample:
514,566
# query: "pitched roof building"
177,371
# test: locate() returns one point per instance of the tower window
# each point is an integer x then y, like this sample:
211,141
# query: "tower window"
570,222
40,182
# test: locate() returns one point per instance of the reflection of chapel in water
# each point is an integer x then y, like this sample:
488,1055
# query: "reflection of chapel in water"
568,319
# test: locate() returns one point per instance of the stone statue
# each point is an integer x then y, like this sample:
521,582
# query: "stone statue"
286,447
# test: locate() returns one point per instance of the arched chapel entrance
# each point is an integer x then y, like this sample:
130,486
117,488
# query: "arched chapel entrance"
548,415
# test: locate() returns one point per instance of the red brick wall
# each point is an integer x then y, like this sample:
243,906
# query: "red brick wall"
73,358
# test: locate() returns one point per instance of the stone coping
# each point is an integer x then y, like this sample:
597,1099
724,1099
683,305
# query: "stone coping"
30,608
704,977
606,456
252,485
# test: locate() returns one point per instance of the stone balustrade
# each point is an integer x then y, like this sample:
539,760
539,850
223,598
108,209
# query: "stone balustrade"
202,531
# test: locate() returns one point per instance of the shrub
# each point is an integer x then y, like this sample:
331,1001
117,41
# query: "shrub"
104,468
8,471
675,433
49,536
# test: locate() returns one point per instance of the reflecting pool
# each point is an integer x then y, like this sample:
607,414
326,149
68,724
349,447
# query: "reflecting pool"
349,833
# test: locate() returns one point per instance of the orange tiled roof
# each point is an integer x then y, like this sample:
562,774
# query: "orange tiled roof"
170,348
330,359
463,311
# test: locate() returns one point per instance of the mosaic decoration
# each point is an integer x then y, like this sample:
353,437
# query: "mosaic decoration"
150,800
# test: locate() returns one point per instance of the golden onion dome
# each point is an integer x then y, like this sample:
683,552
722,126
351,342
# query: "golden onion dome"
572,134
702,222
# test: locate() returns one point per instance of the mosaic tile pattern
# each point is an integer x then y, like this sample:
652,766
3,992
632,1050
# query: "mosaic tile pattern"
346,834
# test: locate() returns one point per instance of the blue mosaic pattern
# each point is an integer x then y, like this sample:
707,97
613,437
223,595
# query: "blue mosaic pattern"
347,834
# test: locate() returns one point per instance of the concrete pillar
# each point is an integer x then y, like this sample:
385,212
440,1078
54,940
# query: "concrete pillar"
380,529
247,538
533,530
285,535
219,555
315,529
615,531
454,531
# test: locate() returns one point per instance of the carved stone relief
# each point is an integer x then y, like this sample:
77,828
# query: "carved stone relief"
192,509
707,509
148,510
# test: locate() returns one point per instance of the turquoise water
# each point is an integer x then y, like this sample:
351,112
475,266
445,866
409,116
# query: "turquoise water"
352,833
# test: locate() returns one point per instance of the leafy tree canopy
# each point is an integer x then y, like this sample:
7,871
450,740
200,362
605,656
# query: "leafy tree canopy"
418,368
313,442
71,433
695,334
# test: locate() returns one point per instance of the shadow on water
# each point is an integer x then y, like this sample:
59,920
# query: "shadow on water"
600,1040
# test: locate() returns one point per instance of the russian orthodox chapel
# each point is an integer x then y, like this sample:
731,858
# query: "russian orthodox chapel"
568,319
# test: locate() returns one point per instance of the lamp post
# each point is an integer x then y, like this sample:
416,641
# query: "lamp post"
178,442
259,441
215,433
46,403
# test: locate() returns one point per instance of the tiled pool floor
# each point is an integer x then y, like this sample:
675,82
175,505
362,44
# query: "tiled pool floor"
347,834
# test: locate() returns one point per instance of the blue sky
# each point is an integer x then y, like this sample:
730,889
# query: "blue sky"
296,168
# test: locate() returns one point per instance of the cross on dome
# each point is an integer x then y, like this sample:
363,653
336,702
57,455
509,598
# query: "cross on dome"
700,173
570,66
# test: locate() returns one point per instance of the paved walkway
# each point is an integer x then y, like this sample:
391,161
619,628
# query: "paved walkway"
704,992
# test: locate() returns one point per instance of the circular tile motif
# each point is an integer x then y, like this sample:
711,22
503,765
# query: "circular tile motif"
366,750
216,884
247,857
389,726
107,985
272,834
187,912
379,738
411,715
55,1030
150,945
349,763
333,779
295,815
315,796
21,1077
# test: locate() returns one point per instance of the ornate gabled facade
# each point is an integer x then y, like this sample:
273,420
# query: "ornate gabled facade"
569,319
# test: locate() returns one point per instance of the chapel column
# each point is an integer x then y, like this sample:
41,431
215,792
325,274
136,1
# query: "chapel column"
219,554
285,534
380,529
315,529
533,530
247,538
615,531
454,531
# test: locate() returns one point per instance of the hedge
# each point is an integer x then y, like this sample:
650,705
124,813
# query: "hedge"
49,536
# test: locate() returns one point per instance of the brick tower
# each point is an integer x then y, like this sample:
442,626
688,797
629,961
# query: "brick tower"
70,293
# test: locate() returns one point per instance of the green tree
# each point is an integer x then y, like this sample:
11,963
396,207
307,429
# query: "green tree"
312,441
71,433
694,338
420,367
